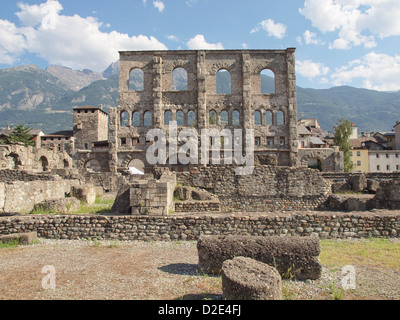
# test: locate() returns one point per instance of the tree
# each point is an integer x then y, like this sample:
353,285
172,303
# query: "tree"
342,133
20,134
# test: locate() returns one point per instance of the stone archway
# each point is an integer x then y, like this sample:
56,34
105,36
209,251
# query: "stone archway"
136,166
93,165
44,163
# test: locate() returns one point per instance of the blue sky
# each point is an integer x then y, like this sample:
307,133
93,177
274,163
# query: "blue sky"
339,42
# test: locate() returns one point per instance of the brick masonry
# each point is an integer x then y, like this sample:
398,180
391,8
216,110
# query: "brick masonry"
190,227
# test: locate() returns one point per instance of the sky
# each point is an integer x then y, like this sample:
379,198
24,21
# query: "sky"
338,42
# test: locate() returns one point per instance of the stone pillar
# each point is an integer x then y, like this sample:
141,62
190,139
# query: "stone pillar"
246,95
292,107
157,92
201,90
113,139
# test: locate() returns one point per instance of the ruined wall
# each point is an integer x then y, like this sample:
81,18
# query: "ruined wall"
268,188
157,95
331,159
190,227
21,196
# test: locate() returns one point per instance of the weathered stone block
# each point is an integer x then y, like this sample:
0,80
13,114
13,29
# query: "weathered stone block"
291,256
65,205
21,238
85,193
248,279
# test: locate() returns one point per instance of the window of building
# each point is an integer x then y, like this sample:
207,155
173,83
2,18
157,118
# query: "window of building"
223,82
358,163
270,141
351,153
179,79
123,141
136,80
191,118
267,81
223,117
257,118
282,141
387,155
377,155
388,167
397,167
280,118
358,153
397,155
124,119
135,141
147,119
167,117
257,141
180,118
235,118
212,117
268,118
378,167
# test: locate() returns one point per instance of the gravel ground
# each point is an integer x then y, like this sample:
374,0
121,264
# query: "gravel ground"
136,270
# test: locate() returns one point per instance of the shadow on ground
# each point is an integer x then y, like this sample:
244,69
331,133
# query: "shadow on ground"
185,269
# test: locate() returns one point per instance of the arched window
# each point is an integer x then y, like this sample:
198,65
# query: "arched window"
280,118
179,79
223,82
136,119
191,118
136,80
180,118
167,117
44,163
235,118
257,118
136,166
223,117
124,119
267,79
268,118
147,119
212,118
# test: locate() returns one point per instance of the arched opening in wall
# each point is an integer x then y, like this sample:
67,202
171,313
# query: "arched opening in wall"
280,118
223,117
223,82
124,121
180,118
235,118
44,163
66,163
268,118
212,118
136,119
257,118
167,117
136,80
136,166
16,160
267,79
93,165
314,163
179,79
147,119
191,116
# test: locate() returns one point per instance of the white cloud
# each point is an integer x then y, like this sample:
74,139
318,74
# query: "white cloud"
12,42
159,5
172,37
377,71
199,42
190,2
310,69
309,38
273,29
72,41
352,18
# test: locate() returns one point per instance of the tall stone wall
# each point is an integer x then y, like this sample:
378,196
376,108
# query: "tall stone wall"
191,227
268,188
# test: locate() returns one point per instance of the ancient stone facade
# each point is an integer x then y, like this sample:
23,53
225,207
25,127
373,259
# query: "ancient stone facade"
156,100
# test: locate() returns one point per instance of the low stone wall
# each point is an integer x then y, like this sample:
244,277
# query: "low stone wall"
197,206
190,227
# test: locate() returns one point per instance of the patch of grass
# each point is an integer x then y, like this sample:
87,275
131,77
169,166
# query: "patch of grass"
100,206
377,252
9,244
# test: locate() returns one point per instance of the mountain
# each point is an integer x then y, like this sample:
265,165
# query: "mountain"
42,99
74,79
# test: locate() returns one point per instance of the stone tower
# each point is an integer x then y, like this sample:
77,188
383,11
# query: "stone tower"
90,125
